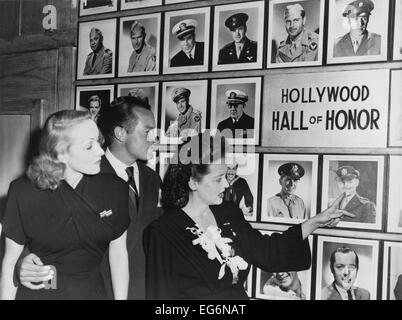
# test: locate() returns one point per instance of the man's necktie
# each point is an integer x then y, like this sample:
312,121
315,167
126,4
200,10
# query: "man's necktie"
350,297
191,56
131,182
93,59
355,45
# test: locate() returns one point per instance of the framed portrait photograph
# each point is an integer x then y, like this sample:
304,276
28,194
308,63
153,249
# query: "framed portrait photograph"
395,119
242,177
235,109
149,92
184,108
93,99
357,31
136,4
238,36
88,7
96,49
289,188
358,180
392,271
397,31
394,221
346,269
284,285
186,41
295,33
139,45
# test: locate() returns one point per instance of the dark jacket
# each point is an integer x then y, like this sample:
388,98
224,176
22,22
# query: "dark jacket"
228,53
239,129
180,59
370,45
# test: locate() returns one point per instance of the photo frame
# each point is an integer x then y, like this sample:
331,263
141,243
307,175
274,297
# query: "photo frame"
193,121
101,64
394,221
146,61
302,202
397,31
88,7
274,286
137,4
364,195
392,271
373,45
252,41
308,36
175,59
365,282
395,118
221,118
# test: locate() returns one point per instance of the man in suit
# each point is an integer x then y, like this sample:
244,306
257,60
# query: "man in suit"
347,178
192,51
358,41
126,126
344,264
301,43
238,124
100,60
242,49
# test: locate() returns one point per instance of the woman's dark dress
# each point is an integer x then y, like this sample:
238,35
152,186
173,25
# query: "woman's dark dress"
177,269
63,227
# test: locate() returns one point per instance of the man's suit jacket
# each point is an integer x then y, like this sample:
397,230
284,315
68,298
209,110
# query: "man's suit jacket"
330,293
149,185
370,45
102,64
180,59
248,54
363,208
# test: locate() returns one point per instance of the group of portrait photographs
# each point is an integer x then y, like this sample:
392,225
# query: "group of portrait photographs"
345,269
133,45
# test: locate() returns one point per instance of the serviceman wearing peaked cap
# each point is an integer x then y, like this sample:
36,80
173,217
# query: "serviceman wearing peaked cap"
301,43
347,178
192,52
286,204
242,49
188,122
238,121
358,41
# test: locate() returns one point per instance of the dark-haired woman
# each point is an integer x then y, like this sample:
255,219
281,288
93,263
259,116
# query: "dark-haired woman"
68,214
203,249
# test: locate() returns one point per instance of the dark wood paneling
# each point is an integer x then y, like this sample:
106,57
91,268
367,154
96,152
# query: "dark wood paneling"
9,18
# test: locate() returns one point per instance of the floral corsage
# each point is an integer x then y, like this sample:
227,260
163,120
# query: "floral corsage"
219,248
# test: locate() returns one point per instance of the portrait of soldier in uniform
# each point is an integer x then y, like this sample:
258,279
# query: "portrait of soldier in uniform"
100,60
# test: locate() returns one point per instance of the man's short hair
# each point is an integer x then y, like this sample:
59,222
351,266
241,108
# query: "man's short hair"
120,113
95,98
137,25
343,250
98,31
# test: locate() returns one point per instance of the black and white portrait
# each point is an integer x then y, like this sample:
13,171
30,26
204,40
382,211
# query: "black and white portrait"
186,41
392,271
88,7
235,109
139,45
242,178
96,49
359,181
147,92
184,107
357,30
394,218
283,285
94,99
346,269
136,4
295,36
397,31
395,119
238,36
289,188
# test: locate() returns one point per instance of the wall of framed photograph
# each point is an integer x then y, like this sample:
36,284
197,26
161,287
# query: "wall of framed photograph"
318,90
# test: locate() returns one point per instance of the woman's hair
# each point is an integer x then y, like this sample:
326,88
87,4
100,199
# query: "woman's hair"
192,160
46,171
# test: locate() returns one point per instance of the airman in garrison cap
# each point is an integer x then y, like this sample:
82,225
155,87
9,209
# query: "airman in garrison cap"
188,122
100,60
358,41
348,178
192,51
241,124
286,204
242,49
301,43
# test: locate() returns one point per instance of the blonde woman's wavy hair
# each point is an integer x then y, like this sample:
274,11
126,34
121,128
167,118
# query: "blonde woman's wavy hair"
46,171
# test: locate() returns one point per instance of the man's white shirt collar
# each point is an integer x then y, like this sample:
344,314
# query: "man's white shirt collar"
344,293
192,52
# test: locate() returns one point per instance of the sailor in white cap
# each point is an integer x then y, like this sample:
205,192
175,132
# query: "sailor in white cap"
358,41
192,52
